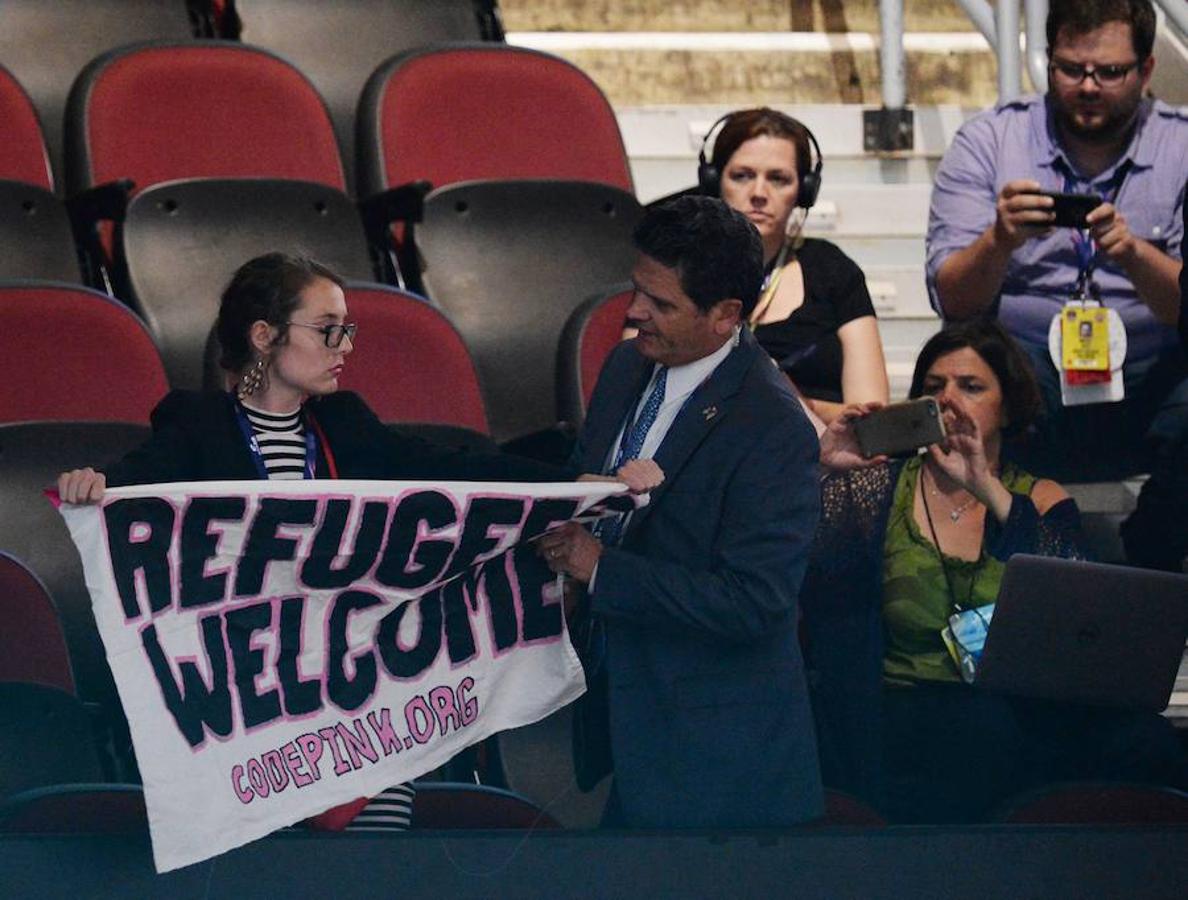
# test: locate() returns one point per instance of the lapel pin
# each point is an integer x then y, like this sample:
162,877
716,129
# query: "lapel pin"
709,412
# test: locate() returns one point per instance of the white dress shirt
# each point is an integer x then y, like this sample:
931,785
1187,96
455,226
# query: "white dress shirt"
681,383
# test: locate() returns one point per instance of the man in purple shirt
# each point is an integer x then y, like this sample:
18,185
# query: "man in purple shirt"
993,250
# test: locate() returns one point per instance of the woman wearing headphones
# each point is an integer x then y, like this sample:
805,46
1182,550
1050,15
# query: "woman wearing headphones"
814,316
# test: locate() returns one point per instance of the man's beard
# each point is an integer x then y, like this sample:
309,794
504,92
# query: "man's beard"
1116,121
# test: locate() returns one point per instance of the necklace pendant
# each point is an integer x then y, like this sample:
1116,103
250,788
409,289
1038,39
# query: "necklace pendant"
956,514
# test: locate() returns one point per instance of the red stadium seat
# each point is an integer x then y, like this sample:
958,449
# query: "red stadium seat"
450,805
75,354
46,44
338,45
76,809
160,112
45,738
410,364
1097,803
23,156
232,154
483,111
32,645
845,811
31,457
594,329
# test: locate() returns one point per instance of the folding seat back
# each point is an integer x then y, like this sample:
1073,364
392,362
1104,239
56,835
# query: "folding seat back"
32,645
594,329
164,111
86,808
338,45
183,240
35,239
31,457
508,261
485,111
45,738
46,44
410,364
75,354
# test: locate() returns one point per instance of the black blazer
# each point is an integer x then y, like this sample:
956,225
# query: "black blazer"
196,437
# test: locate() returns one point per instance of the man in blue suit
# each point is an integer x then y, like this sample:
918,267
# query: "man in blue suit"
692,601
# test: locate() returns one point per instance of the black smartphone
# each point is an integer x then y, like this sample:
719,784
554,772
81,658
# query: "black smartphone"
1070,209
900,428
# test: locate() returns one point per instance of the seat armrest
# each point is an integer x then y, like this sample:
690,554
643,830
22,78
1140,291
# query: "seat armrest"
103,202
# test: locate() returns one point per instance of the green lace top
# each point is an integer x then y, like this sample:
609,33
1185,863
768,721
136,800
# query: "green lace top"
916,599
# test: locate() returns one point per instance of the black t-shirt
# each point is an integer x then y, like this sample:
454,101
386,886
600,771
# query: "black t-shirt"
806,345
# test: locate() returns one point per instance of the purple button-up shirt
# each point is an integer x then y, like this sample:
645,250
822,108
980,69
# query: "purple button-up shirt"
1018,140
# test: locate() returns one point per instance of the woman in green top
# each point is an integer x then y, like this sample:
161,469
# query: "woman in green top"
904,545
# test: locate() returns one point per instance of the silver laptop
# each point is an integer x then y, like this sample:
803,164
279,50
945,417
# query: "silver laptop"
1086,633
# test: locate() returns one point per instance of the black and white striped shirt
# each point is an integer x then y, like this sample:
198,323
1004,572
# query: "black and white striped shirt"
282,441
282,444
390,810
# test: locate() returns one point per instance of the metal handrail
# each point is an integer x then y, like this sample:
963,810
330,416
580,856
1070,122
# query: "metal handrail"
891,63
981,13
1177,11
994,22
1035,18
1004,19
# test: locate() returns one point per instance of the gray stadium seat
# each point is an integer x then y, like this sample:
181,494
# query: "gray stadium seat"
508,261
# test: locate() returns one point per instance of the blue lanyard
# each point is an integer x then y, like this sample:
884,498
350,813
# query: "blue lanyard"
1083,244
245,427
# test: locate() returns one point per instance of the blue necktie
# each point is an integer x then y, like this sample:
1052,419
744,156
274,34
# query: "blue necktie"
609,530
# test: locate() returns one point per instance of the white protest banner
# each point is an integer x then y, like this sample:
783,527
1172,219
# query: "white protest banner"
284,647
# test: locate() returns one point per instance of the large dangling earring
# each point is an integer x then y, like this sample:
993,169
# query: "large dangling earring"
252,380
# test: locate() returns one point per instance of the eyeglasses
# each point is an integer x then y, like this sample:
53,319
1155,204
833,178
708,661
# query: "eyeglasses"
1073,74
332,334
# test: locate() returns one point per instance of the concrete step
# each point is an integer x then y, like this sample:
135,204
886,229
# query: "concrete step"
861,210
724,15
876,251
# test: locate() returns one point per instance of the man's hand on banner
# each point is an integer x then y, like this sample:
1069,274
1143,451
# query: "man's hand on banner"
640,476
571,550
81,486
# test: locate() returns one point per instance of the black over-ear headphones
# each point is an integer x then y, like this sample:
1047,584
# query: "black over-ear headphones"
709,179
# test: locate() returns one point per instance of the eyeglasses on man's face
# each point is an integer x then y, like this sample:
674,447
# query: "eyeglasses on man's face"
1072,74
334,334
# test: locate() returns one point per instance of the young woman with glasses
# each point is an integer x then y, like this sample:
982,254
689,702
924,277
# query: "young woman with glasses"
285,336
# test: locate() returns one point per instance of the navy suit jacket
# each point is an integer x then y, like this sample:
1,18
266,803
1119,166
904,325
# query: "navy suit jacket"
710,723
